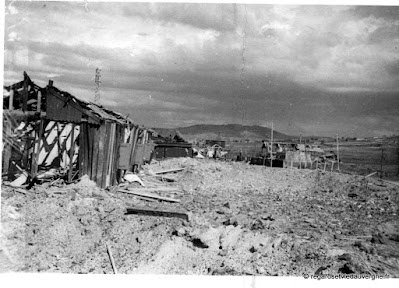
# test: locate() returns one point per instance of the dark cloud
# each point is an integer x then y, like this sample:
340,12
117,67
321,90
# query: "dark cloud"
393,68
384,12
310,69
202,16
384,34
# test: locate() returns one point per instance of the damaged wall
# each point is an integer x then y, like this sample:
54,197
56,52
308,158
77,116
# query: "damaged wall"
54,127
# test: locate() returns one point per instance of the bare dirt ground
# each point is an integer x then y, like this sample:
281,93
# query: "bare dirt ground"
244,220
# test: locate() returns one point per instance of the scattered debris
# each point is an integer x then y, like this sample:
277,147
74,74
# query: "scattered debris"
19,181
130,177
230,218
165,178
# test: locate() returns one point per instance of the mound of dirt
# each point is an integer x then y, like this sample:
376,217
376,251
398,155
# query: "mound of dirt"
244,220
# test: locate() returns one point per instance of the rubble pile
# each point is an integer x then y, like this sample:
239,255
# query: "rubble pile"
241,220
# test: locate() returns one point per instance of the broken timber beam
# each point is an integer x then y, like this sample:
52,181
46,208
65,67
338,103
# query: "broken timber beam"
150,195
169,171
157,212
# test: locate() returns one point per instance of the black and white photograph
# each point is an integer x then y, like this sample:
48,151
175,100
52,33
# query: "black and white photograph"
217,139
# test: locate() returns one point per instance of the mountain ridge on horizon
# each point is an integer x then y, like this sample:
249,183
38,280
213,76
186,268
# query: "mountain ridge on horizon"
229,131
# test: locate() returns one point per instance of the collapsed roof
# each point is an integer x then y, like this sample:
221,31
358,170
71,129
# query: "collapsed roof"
57,104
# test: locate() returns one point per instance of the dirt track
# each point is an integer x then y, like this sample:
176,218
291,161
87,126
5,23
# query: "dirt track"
244,220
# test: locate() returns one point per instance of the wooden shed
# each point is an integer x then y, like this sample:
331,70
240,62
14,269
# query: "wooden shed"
172,150
47,128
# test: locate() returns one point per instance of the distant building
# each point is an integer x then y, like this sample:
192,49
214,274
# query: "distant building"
217,142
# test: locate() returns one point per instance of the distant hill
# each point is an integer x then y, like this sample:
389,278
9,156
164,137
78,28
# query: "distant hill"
225,132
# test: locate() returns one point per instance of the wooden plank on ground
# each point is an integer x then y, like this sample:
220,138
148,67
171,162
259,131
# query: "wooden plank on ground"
149,195
155,189
145,198
111,258
169,171
371,174
157,212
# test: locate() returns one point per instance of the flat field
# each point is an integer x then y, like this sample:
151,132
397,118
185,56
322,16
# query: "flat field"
367,157
356,157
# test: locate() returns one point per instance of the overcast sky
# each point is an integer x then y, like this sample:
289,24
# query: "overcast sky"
316,70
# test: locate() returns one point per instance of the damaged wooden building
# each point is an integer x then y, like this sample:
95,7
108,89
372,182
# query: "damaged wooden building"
46,128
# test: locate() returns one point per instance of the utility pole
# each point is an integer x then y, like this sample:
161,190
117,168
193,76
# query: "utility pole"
382,158
97,94
271,148
338,151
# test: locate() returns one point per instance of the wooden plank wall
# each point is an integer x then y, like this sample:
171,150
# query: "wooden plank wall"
96,136
85,149
35,155
98,155
103,149
116,175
